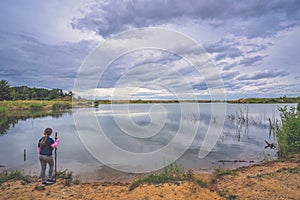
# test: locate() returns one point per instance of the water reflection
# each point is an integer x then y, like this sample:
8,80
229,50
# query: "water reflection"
11,119
243,137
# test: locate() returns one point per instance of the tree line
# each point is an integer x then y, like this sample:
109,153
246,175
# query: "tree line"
26,93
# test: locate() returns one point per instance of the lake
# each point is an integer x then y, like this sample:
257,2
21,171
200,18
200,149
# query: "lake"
139,129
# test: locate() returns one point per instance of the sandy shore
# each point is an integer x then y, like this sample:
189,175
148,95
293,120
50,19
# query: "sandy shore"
273,180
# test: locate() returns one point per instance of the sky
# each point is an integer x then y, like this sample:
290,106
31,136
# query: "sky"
255,45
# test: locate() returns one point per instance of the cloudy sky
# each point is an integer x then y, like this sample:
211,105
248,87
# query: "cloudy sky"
255,45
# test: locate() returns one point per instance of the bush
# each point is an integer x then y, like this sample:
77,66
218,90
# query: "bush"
60,106
2,110
34,106
288,135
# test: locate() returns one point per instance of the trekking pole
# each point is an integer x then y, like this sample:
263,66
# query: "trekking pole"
55,159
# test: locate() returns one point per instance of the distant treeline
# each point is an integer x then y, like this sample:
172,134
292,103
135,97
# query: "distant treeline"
27,93
244,100
283,99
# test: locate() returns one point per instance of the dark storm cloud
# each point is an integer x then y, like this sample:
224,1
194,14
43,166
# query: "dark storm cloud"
249,18
24,60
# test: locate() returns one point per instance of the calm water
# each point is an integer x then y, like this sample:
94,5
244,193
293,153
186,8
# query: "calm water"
240,140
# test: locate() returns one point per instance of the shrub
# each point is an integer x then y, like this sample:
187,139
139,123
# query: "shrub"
288,135
34,106
60,106
2,110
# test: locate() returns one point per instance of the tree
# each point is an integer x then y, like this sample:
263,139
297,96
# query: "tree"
4,90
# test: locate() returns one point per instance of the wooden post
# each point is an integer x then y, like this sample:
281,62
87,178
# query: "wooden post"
55,159
24,155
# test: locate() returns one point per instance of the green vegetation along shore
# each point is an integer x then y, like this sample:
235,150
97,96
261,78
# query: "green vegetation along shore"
34,105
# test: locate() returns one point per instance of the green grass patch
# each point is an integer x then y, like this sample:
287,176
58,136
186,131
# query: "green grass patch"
13,175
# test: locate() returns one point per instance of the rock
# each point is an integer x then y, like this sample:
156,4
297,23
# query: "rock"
39,187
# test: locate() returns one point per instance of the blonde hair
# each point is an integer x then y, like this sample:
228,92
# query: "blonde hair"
47,133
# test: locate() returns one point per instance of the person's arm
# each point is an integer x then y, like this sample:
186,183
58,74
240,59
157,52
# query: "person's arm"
39,148
54,144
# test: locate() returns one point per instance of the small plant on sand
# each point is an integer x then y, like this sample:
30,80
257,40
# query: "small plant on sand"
66,175
13,175
226,194
218,172
288,134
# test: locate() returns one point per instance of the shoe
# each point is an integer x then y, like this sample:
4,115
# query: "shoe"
44,183
49,182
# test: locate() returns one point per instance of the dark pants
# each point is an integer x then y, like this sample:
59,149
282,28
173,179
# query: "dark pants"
44,160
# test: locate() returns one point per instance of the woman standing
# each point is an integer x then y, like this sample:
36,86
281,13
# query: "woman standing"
45,147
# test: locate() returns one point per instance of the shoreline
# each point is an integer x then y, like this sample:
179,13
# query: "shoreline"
273,179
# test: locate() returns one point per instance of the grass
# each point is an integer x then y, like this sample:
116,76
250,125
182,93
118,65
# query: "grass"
13,175
295,170
260,176
19,175
35,105
226,194
172,173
